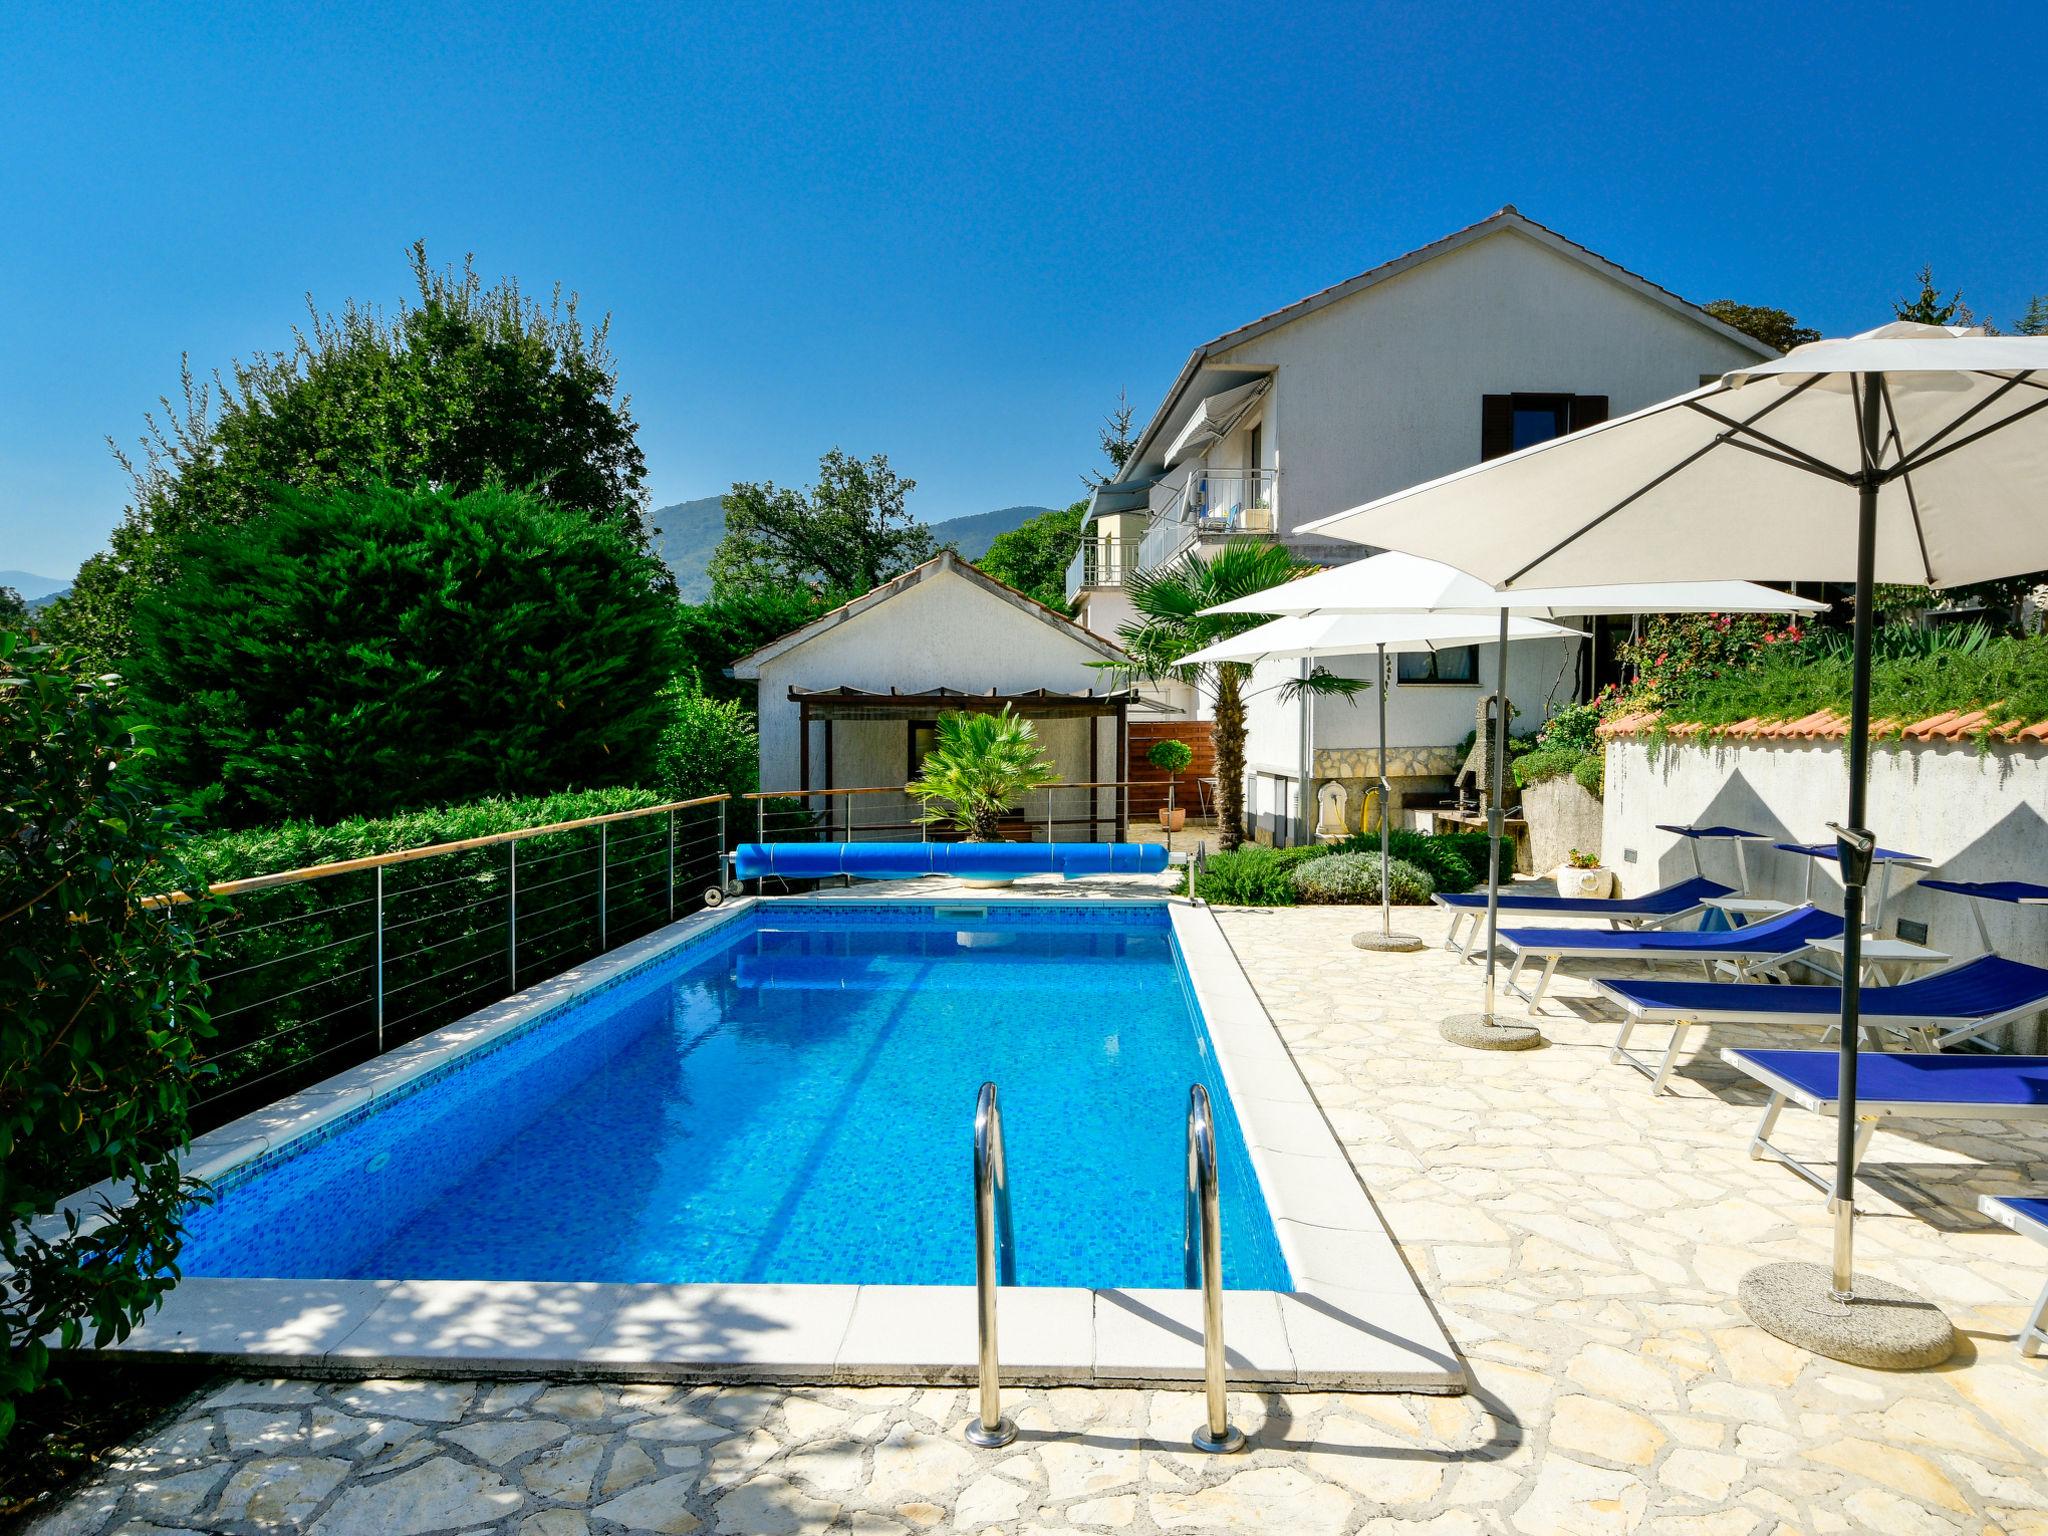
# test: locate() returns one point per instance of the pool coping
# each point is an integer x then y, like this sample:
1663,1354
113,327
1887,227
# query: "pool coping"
1356,1320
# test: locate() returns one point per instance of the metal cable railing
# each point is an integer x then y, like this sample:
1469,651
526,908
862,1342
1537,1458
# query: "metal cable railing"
1090,812
309,970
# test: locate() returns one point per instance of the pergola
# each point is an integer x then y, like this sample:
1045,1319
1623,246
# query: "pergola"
829,706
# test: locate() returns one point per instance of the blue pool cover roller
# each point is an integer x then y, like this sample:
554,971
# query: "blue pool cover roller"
969,861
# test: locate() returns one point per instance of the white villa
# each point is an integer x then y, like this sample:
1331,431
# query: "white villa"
1500,335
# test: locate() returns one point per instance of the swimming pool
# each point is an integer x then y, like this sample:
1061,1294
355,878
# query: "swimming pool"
787,1098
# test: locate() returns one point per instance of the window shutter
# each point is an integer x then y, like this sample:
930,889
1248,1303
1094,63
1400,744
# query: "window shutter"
1496,425
1588,411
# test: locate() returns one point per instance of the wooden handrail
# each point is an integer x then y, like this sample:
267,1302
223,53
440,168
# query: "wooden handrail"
409,855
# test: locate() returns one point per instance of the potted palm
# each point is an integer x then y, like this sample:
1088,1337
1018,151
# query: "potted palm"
1171,758
980,765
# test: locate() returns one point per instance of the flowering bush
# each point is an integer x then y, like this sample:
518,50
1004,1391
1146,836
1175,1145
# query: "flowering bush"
1674,655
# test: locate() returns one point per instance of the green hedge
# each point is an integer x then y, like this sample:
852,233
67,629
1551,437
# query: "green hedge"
292,967
1252,876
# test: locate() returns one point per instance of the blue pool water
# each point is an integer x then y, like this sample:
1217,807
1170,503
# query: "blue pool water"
788,1098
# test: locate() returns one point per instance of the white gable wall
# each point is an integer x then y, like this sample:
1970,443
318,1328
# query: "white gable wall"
1381,389
942,632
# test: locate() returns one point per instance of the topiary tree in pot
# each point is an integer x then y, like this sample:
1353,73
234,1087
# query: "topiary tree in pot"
979,767
1172,759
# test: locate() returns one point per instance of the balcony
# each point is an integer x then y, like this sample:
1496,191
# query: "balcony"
1213,504
1101,563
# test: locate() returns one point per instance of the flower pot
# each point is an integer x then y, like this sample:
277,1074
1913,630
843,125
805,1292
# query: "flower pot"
1584,884
1172,817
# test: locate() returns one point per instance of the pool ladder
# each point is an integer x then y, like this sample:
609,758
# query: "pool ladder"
995,1263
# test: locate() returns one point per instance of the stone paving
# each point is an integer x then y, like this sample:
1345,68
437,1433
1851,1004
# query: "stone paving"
1582,1240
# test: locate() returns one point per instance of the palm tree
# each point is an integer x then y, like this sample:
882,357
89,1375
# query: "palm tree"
1171,624
977,768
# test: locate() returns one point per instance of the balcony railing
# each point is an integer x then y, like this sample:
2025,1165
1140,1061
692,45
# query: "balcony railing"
1102,563
1214,504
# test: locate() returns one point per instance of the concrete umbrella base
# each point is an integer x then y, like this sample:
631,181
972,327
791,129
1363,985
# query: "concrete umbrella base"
1386,943
1489,1032
1883,1326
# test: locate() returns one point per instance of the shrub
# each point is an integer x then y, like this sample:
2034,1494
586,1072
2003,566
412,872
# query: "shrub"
1170,757
1567,744
708,747
1355,877
101,1012
371,652
1454,861
1253,876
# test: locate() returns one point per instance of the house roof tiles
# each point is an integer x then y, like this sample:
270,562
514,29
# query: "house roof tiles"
1831,725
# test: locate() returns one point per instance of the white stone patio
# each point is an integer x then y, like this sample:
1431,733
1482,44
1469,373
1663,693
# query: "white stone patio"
1581,1240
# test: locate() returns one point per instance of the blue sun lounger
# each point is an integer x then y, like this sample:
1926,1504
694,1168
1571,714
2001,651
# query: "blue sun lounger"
1654,910
2028,1216
1770,942
1906,1085
1931,1012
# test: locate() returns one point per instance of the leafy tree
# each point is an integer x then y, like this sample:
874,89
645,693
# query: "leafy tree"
709,746
2035,321
979,765
1773,327
13,609
713,635
464,388
847,534
100,1013
367,652
1033,557
1170,600
1929,308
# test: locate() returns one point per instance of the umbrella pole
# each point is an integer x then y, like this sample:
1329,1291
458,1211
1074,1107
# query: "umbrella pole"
1386,939
1496,812
1822,1309
1484,1030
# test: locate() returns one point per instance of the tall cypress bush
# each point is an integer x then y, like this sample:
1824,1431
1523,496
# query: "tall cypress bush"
368,653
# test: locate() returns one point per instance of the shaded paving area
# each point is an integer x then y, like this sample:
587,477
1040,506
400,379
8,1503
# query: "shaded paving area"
1582,1241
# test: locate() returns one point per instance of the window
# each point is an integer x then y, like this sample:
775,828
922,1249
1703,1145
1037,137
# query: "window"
924,735
1452,664
1508,423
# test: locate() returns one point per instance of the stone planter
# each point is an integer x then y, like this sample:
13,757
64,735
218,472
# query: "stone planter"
1583,884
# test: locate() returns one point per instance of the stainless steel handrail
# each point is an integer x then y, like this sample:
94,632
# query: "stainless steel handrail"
995,1262
1202,1264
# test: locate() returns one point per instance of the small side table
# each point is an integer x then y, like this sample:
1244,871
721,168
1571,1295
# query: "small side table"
1881,952
1741,911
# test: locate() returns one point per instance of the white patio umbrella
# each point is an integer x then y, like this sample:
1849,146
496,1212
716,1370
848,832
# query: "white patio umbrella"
1349,634
1397,582
1910,453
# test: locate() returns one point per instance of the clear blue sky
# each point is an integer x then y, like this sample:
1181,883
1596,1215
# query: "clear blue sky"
950,234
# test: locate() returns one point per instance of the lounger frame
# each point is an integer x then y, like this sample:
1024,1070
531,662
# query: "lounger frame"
1785,1092
1745,964
1930,1032
2034,1326
1617,922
